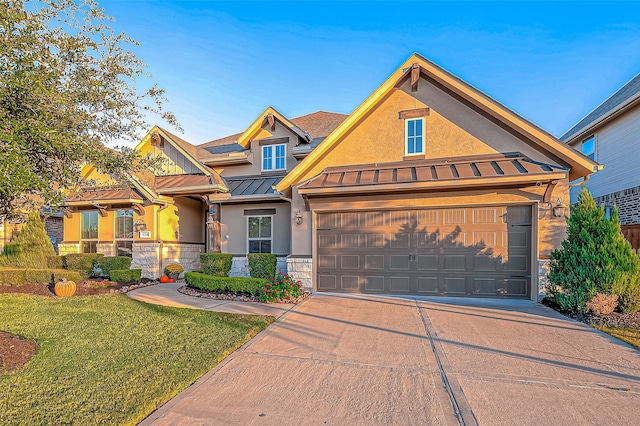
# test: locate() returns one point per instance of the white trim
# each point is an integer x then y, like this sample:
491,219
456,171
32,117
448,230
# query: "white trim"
259,238
406,136
273,158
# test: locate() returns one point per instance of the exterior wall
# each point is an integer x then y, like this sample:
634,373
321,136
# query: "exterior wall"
108,249
54,226
301,268
240,266
628,203
106,226
617,147
187,255
146,256
234,227
191,221
68,248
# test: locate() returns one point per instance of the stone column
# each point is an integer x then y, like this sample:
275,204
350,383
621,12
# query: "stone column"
300,268
146,256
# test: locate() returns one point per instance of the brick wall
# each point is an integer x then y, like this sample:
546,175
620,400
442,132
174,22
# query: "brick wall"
628,203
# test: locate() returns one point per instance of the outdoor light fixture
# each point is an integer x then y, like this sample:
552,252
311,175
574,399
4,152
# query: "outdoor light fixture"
298,218
559,209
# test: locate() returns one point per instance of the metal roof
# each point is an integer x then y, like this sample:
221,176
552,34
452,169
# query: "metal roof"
435,173
625,95
252,185
106,194
171,184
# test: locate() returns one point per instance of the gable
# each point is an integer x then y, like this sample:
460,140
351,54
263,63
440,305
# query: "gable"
175,159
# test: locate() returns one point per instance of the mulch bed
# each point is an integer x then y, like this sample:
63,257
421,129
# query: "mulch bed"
81,289
15,351
190,291
612,320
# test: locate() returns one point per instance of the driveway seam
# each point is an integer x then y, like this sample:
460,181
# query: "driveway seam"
460,404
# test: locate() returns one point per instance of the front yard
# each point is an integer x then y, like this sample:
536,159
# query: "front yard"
109,359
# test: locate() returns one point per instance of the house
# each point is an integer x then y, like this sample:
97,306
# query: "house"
610,135
53,225
429,187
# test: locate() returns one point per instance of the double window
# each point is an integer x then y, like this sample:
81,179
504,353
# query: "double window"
89,232
259,233
589,147
124,232
414,136
273,157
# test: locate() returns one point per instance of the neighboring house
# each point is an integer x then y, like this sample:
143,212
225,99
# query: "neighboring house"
610,135
53,225
430,187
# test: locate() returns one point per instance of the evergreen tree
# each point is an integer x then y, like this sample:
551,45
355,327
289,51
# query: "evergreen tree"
32,243
594,258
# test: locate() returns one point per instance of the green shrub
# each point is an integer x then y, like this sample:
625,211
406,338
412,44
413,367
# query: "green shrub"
262,265
237,285
126,275
173,270
31,246
279,288
20,276
109,263
56,262
82,263
216,264
594,258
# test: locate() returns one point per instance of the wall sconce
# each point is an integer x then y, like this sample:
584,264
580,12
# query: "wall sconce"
298,218
559,209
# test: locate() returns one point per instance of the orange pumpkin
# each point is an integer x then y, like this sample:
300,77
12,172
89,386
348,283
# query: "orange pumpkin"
164,279
171,280
65,288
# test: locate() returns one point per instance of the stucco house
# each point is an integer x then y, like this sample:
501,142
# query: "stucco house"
610,135
429,187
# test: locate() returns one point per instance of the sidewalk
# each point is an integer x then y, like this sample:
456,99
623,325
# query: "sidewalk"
168,295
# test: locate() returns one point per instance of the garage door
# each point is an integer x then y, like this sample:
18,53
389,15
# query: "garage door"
472,252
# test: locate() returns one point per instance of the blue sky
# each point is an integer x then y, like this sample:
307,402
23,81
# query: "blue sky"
222,63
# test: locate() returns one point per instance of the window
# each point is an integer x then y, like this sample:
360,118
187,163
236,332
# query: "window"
273,157
589,147
124,232
89,232
414,131
259,234
608,210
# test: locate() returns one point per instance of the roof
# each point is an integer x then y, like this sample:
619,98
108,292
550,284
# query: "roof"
189,183
320,123
627,94
110,194
469,172
580,165
252,186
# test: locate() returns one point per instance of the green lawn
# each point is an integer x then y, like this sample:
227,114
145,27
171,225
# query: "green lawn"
629,335
109,359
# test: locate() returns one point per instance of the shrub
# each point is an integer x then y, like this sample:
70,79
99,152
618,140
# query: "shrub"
126,275
628,288
82,263
281,287
101,284
262,265
603,304
20,276
594,258
109,263
56,262
31,246
238,285
173,270
216,264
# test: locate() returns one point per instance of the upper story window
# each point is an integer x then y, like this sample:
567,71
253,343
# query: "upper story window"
273,157
589,147
414,136
89,232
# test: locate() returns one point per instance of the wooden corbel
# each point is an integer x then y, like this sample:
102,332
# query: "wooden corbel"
415,76
102,210
272,121
139,209
547,192
156,139
67,213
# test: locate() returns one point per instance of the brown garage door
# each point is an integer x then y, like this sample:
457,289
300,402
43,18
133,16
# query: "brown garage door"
473,251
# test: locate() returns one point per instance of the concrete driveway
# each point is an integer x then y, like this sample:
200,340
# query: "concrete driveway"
380,360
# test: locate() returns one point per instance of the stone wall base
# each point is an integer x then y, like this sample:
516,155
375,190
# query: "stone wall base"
240,266
300,268
146,257
108,249
543,278
187,255
68,248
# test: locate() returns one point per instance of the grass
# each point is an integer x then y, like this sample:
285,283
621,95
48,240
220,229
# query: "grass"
629,335
110,359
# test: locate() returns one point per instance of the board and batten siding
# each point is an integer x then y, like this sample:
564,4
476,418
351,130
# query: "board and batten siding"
618,148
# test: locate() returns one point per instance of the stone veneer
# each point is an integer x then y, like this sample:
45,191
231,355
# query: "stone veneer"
240,266
628,203
107,249
147,256
543,278
68,248
300,268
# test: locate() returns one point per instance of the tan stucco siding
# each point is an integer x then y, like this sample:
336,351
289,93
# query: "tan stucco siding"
191,222
234,226
552,230
167,229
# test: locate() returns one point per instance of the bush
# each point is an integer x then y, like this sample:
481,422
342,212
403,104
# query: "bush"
109,263
603,304
262,265
20,276
31,246
82,263
594,258
237,285
281,287
126,275
56,262
628,288
216,264
173,270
